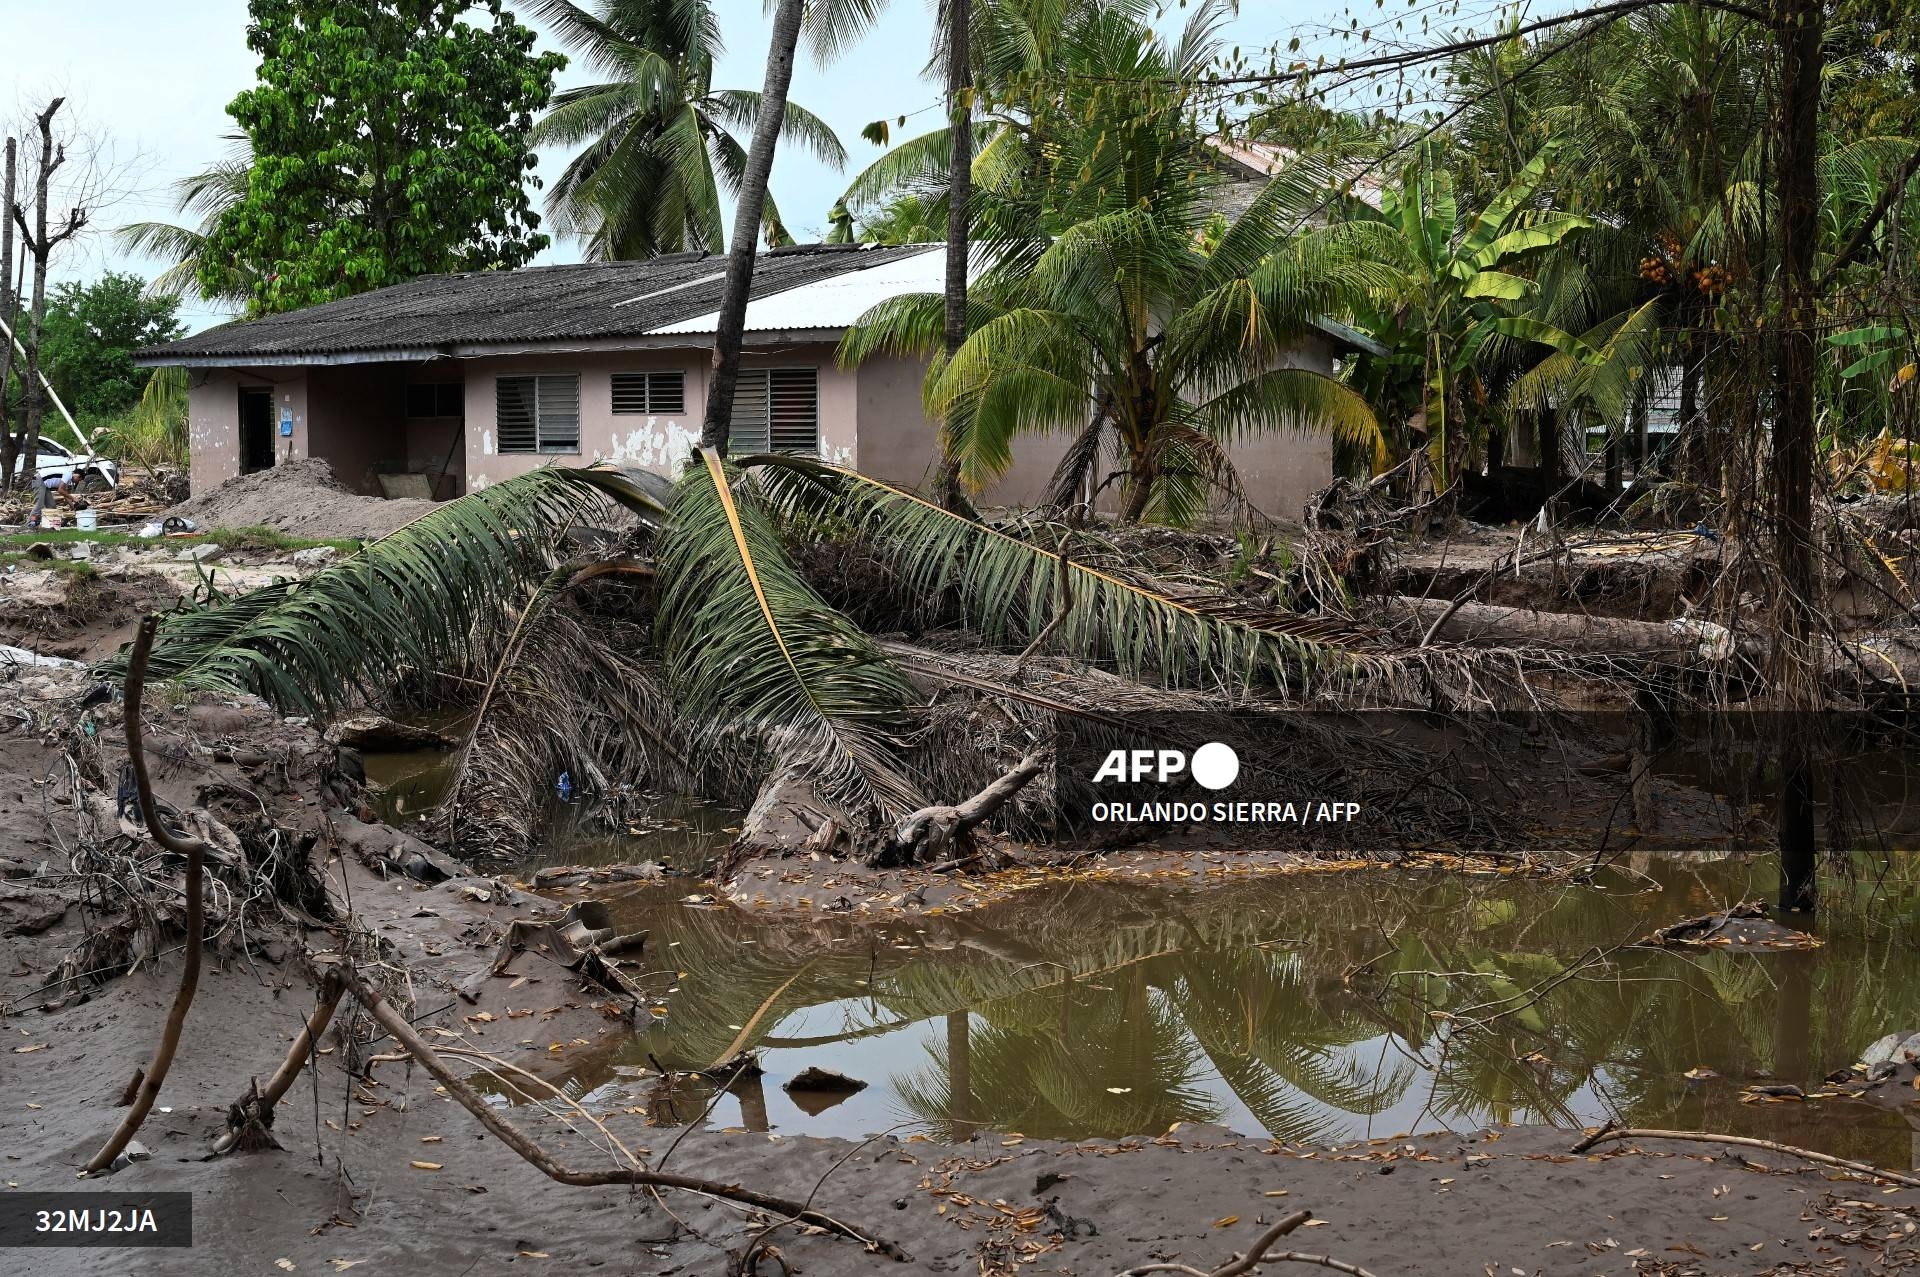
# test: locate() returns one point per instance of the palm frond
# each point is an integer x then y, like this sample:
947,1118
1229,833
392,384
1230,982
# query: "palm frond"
749,643
1005,587
413,599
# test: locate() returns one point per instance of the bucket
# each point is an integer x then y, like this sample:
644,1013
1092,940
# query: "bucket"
86,520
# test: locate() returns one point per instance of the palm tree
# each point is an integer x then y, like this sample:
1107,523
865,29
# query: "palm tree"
659,145
1109,312
206,195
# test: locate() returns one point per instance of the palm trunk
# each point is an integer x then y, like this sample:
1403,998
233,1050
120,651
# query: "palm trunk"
959,196
746,227
1800,23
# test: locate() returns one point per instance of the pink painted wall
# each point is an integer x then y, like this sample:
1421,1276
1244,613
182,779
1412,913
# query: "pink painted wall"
1280,468
213,419
354,415
658,443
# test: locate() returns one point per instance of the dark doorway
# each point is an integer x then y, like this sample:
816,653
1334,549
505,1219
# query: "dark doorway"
256,430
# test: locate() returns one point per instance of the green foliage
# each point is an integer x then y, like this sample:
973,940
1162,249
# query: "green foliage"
421,598
152,433
207,195
91,333
750,645
389,140
1117,308
660,146
1461,297
1007,587
31,563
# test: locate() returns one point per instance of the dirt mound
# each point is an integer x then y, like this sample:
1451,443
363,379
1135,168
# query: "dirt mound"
300,498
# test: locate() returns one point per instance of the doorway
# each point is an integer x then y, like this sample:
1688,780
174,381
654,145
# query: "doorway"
256,429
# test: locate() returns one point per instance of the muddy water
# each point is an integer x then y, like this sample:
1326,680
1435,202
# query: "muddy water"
1308,1007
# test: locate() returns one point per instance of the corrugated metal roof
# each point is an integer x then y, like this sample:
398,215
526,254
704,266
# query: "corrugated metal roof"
446,314
835,302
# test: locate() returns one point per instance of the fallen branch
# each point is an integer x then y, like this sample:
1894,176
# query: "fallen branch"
1258,1254
1611,1132
402,1032
929,832
250,1119
195,852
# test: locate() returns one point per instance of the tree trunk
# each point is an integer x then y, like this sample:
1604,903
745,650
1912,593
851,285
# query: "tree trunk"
747,217
959,198
7,307
1801,26
41,248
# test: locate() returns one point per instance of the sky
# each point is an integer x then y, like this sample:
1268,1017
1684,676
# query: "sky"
149,80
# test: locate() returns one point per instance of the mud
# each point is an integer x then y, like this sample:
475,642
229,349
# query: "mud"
382,1170
300,498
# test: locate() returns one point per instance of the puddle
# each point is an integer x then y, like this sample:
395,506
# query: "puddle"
1315,1008
1311,1008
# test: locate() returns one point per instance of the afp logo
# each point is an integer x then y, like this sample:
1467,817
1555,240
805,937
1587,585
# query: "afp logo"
1213,766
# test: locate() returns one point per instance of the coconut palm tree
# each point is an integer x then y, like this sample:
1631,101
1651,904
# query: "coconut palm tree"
1107,310
660,146
205,195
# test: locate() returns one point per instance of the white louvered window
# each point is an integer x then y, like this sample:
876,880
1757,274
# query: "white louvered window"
537,414
776,410
660,394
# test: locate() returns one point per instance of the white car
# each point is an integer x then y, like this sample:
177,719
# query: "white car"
84,472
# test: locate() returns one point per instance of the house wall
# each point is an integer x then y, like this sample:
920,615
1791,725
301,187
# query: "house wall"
658,443
354,415
1279,468
213,419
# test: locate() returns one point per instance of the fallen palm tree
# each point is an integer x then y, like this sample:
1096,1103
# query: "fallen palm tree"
695,654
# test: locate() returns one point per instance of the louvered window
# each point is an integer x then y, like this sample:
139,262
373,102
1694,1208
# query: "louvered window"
537,414
776,410
660,394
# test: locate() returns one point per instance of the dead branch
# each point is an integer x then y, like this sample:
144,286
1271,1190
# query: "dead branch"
402,1033
1611,1132
250,1119
929,832
195,852
1257,1255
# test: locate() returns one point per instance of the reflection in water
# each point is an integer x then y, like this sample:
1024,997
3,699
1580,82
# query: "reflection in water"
1313,1007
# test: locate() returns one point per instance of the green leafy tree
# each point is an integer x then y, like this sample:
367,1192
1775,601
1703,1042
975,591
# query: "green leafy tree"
389,140
91,333
206,195
1117,308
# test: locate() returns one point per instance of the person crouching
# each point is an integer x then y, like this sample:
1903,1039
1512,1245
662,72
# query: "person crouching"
49,487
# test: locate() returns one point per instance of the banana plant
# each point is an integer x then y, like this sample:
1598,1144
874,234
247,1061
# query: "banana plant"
1462,291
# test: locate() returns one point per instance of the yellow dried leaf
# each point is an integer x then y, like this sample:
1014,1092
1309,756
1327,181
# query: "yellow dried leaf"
1226,1221
426,1166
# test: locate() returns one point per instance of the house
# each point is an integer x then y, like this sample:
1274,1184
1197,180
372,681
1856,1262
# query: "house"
469,379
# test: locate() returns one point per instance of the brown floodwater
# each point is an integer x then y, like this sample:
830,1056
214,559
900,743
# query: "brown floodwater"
1308,1007
1313,1007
